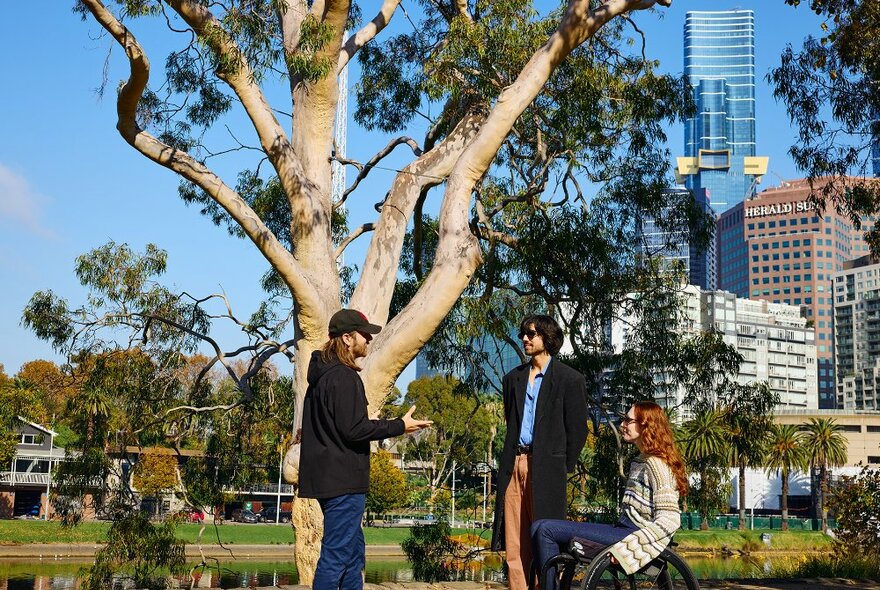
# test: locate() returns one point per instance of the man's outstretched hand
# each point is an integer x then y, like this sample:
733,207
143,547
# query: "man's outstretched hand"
411,424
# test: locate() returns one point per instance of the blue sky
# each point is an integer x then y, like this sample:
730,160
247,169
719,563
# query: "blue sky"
69,183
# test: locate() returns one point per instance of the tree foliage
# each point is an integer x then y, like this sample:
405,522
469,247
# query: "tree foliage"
825,446
749,417
704,444
830,89
856,502
430,549
140,552
786,453
388,488
461,432
155,473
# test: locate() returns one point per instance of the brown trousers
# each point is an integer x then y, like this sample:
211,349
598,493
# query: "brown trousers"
518,518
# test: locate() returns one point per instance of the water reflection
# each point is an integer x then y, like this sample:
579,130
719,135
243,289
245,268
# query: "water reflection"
63,574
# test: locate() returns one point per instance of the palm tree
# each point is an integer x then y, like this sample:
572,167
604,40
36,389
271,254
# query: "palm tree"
748,436
703,442
826,447
92,403
785,453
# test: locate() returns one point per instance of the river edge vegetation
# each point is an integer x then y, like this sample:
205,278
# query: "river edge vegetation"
33,532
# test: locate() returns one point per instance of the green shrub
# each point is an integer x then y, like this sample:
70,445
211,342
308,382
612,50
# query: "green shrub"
431,552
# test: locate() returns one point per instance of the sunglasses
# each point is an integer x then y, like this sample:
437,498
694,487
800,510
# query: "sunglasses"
528,334
624,419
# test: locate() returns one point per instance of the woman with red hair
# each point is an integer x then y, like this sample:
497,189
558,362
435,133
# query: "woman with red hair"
657,478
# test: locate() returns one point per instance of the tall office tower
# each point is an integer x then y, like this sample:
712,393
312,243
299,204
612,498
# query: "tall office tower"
857,334
719,141
777,246
677,248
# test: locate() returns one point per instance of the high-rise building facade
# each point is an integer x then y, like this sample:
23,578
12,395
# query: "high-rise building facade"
777,246
857,334
677,248
776,342
719,141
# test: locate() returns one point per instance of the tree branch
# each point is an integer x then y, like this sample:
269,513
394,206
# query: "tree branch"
364,169
373,292
458,254
188,167
367,33
367,227
239,76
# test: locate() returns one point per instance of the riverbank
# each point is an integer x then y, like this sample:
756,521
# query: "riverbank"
267,536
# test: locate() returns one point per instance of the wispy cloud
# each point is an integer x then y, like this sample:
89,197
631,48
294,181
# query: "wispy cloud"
20,205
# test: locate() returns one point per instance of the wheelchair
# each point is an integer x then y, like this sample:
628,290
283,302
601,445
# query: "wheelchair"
668,571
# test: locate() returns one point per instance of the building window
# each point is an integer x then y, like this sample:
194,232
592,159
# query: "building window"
873,459
873,428
31,439
851,428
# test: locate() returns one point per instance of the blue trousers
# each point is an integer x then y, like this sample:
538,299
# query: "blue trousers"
551,537
342,548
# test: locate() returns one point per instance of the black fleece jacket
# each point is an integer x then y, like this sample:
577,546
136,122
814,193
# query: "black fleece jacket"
336,432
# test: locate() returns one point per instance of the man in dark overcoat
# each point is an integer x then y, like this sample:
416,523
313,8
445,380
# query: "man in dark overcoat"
545,410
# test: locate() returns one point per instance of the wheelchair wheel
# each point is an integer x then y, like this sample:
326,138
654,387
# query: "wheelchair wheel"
667,572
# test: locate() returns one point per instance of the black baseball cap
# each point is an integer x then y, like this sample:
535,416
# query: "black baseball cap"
351,320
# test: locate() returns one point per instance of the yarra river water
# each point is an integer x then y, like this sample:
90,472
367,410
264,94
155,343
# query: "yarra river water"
17,574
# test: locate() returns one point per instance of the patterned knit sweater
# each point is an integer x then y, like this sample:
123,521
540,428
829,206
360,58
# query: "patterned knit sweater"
651,503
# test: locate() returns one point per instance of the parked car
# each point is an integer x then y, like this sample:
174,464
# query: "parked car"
267,514
240,515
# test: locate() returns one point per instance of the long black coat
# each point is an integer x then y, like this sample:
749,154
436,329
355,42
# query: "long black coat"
559,435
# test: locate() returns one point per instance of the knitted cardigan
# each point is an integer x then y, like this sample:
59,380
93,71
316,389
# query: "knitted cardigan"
651,503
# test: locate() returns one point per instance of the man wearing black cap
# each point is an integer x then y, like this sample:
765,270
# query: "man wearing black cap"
335,453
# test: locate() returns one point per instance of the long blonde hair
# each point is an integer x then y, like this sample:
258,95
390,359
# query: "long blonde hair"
337,349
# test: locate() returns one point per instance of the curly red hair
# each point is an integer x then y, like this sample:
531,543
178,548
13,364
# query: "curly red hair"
659,441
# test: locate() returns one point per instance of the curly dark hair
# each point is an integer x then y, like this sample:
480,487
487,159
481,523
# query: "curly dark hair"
547,328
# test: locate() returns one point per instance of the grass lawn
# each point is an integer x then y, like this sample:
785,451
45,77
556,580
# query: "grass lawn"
807,541
35,531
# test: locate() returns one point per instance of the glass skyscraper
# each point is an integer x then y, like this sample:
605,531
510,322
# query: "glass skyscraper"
676,246
719,143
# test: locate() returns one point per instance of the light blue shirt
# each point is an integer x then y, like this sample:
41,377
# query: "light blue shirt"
526,431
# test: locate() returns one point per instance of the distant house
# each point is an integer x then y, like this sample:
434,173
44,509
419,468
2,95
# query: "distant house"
25,482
